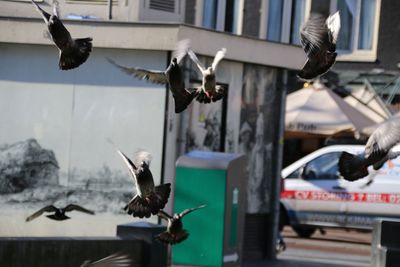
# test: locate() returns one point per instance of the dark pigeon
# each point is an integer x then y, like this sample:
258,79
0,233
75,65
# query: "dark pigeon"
175,232
173,76
73,52
149,199
58,214
318,38
209,90
381,146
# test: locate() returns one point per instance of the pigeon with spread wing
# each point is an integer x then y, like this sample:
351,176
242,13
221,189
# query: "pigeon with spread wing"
149,199
173,76
114,260
381,146
209,90
58,213
73,52
318,38
175,232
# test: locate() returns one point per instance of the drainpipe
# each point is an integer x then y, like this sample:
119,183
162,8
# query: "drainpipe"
109,9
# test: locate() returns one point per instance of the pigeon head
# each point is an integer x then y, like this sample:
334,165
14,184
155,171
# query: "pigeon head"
175,61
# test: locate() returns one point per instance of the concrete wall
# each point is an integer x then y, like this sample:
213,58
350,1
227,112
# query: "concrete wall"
133,10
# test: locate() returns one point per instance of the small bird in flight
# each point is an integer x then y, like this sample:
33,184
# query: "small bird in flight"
114,260
175,232
173,76
59,214
318,38
209,90
73,52
149,199
380,147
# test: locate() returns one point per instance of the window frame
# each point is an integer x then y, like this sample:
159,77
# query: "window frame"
355,54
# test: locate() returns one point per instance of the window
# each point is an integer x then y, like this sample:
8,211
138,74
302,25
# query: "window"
283,20
210,8
298,18
357,40
324,167
232,16
275,14
296,174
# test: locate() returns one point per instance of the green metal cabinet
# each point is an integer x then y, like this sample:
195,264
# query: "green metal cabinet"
215,232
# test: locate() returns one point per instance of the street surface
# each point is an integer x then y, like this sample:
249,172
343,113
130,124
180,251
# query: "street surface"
337,247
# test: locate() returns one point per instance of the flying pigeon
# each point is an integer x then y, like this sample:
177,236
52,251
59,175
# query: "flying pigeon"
380,147
209,90
173,76
59,214
149,199
73,52
114,260
175,232
318,38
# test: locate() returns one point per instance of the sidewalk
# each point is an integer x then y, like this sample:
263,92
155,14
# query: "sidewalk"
288,263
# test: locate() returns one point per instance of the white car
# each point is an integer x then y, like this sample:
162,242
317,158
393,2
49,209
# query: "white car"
314,195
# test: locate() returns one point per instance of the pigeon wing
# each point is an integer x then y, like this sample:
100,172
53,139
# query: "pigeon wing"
132,168
333,24
49,208
56,8
312,35
114,260
383,138
46,16
72,207
218,57
153,76
185,212
181,50
194,58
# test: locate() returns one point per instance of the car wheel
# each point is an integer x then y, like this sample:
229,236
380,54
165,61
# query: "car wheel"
304,232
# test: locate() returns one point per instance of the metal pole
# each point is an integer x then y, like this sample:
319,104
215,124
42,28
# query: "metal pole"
109,9
277,120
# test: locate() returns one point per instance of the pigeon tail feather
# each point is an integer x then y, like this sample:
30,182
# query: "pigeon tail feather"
79,54
138,207
145,206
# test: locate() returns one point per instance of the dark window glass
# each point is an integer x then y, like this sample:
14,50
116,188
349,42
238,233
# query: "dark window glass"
324,167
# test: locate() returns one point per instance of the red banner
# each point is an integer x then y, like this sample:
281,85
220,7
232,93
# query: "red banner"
392,198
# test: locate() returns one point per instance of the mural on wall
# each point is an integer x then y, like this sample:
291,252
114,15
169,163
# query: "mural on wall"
54,149
204,127
29,180
257,96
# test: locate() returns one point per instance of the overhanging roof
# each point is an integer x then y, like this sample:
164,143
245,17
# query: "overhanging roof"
156,36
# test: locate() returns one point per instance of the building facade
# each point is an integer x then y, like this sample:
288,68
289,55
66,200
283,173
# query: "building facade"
78,114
